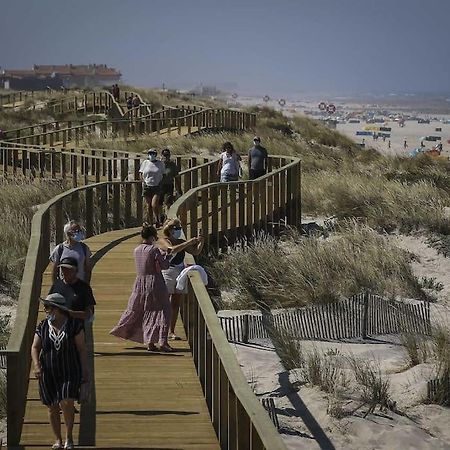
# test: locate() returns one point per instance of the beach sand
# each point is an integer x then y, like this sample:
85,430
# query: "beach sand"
411,132
415,425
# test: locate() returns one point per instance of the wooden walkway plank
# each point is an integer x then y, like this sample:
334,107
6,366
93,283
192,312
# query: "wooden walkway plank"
142,400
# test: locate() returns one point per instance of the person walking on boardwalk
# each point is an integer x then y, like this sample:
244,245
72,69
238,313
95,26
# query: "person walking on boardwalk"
79,296
147,317
172,241
136,101
130,102
60,364
229,164
152,171
170,180
73,247
257,159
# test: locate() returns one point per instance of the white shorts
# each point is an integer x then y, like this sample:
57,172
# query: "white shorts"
170,277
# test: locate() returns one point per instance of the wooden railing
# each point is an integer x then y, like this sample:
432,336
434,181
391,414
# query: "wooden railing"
14,98
82,167
96,102
238,418
168,121
224,213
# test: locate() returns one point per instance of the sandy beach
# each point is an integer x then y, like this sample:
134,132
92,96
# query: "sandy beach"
411,132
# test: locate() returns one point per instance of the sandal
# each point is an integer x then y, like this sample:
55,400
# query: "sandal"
69,445
174,337
57,446
152,348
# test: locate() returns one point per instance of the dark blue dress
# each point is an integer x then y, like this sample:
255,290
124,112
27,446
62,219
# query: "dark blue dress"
60,362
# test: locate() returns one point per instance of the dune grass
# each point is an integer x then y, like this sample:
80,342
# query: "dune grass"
298,270
18,199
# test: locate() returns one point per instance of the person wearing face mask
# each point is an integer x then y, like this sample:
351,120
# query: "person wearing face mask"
257,160
172,240
229,166
73,247
59,356
170,180
79,295
152,172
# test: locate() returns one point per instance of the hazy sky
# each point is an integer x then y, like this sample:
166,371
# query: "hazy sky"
283,46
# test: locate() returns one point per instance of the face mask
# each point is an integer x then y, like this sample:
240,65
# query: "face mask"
152,157
256,143
176,234
51,317
79,236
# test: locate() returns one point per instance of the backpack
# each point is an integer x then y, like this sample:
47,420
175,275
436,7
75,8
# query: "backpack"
61,249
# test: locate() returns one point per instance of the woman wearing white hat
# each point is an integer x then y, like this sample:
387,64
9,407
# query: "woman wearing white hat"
60,364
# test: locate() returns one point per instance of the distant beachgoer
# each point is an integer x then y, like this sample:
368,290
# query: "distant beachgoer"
389,143
136,101
422,144
363,143
257,159
59,356
147,317
130,102
405,144
229,164
384,138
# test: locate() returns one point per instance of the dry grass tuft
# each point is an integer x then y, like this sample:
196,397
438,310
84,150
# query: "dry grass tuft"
299,270
17,200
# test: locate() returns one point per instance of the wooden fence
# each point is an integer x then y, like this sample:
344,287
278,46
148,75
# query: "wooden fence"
80,167
224,213
438,391
360,316
167,122
15,98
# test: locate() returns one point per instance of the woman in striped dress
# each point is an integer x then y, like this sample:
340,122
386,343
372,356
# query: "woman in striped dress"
60,364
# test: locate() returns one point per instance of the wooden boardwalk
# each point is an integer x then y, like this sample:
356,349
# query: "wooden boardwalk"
142,400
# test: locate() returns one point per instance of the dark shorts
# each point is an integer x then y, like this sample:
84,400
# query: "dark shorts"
166,196
253,174
151,191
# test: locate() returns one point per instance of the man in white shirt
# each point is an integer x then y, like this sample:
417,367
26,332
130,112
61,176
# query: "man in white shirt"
152,172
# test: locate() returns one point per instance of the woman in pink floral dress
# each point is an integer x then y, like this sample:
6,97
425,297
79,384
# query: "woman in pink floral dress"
147,317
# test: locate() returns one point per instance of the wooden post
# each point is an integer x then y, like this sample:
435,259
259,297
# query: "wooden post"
127,212
74,170
116,206
365,314
89,212
103,208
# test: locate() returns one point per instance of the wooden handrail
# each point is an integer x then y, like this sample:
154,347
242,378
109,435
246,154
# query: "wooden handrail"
194,121
83,168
